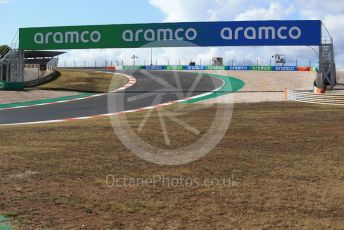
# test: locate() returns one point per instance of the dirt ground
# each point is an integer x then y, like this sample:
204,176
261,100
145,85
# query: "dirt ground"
265,86
267,81
283,164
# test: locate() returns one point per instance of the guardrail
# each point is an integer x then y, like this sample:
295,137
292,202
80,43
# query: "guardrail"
37,66
310,97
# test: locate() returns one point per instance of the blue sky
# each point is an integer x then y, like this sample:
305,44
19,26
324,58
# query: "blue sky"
36,13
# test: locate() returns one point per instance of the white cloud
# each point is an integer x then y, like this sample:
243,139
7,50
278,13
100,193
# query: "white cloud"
195,10
2,2
332,15
330,12
318,9
180,9
276,11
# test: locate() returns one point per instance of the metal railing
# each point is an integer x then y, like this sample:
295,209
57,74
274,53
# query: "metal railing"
310,97
12,65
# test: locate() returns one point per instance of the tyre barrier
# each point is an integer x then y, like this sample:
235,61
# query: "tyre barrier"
49,78
310,97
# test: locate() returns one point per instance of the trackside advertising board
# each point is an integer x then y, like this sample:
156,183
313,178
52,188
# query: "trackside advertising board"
11,85
185,34
205,67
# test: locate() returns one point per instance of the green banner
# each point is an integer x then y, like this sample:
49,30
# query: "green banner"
108,36
174,67
215,67
11,85
133,67
261,68
73,37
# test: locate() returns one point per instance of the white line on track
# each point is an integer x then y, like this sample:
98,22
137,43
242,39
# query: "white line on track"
117,113
131,82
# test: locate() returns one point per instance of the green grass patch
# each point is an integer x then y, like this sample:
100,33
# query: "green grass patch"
86,81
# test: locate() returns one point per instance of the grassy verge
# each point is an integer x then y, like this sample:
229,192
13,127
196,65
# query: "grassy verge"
86,81
286,158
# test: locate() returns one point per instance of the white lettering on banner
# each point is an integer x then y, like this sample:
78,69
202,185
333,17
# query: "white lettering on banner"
262,33
267,31
47,37
297,29
128,36
237,32
187,34
197,67
67,37
83,39
71,37
97,38
285,68
279,32
168,34
2,85
39,38
237,68
252,31
154,68
58,38
178,36
151,35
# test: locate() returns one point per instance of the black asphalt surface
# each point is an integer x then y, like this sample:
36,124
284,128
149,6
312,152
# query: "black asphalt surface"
152,88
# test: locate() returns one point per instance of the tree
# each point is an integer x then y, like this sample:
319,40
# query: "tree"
4,49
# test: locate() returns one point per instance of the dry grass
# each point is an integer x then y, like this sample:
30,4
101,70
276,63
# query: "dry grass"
86,81
286,160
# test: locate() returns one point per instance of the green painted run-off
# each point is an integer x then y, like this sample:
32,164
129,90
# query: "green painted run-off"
52,100
4,223
230,85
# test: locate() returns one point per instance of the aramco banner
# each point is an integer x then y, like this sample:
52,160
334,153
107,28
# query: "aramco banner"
231,68
186,34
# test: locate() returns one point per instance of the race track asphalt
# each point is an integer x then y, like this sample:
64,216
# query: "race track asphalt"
151,88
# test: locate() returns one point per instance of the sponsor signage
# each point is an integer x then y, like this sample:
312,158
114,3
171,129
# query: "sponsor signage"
261,68
133,67
11,85
174,67
184,34
216,67
237,67
232,68
155,67
196,67
284,68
